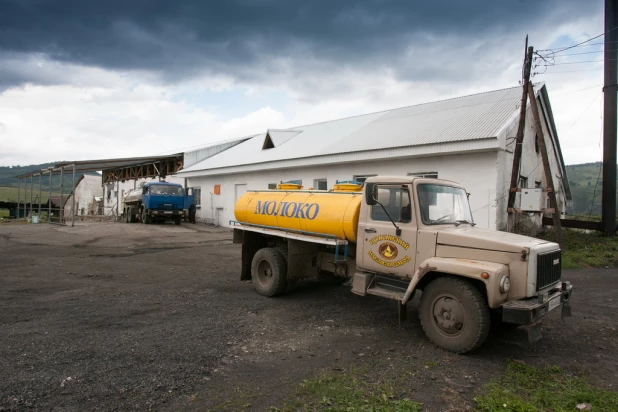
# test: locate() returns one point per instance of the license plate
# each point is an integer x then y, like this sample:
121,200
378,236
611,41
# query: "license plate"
553,304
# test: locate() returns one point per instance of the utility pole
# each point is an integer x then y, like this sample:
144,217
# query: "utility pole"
553,202
519,139
608,208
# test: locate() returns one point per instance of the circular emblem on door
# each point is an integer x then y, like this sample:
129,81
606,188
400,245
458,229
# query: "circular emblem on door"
388,250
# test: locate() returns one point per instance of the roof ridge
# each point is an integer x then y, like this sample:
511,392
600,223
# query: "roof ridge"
405,107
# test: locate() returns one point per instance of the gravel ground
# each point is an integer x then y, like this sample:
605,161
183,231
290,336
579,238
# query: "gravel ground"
134,317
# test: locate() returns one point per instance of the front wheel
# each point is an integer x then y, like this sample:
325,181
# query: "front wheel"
177,221
454,314
145,218
269,272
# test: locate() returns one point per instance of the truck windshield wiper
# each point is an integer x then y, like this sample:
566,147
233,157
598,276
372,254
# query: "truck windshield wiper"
459,222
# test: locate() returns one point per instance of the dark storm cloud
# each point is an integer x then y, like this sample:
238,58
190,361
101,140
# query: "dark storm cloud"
250,39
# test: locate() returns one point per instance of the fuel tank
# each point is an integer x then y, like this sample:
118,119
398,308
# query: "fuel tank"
330,213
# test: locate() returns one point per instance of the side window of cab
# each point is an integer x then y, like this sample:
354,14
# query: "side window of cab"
396,202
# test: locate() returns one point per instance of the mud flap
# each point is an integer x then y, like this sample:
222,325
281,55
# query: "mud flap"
534,331
566,311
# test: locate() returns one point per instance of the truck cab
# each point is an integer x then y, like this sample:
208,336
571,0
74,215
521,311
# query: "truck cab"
412,235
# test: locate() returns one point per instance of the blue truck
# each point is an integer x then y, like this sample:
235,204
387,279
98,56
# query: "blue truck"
157,201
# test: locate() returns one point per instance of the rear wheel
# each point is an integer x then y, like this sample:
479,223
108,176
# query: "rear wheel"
126,215
268,272
454,314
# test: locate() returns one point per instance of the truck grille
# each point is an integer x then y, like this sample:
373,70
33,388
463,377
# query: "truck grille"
548,269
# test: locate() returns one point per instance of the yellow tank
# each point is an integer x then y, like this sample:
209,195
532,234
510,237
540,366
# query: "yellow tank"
330,213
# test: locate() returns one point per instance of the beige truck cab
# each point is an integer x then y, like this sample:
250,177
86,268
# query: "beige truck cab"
410,234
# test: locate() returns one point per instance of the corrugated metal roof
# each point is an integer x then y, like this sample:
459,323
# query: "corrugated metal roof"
477,116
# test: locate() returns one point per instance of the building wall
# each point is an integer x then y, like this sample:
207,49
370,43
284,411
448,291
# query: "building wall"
85,192
111,192
476,171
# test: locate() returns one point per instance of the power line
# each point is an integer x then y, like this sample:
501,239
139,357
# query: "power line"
583,61
585,110
578,90
578,54
580,44
575,71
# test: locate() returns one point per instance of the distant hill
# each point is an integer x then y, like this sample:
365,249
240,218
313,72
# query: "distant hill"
8,179
584,179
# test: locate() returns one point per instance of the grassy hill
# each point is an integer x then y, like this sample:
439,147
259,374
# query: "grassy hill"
8,182
584,179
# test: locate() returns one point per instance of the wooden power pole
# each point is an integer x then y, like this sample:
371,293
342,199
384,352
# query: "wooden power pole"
553,203
519,138
608,203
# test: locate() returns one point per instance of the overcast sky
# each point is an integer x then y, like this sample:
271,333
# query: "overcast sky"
117,78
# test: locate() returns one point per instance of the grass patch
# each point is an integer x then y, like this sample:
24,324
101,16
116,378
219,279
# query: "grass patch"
348,392
586,250
4,213
9,194
524,388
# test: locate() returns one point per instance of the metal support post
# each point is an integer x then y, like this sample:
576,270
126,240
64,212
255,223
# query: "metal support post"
49,201
18,197
31,194
61,207
40,177
117,198
73,202
608,203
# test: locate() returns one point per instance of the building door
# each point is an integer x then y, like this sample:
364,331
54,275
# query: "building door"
382,251
239,190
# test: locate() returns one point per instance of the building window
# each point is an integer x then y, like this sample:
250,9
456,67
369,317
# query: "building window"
396,201
320,184
536,143
272,186
431,175
361,178
523,182
197,196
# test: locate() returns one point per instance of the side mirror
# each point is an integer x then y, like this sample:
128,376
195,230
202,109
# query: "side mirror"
370,197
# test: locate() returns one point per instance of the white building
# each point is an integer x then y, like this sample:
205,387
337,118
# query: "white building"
88,188
468,139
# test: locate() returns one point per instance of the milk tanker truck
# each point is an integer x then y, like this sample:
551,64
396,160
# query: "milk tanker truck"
398,236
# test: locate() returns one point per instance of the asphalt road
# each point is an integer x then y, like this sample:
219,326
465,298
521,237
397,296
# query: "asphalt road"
135,317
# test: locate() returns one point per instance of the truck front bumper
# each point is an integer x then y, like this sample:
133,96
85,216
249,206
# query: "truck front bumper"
167,213
532,310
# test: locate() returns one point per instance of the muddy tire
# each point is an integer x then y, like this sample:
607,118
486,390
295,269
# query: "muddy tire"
454,314
145,218
268,272
177,221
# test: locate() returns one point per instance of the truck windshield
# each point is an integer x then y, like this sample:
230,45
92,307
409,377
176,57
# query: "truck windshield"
168,190
443,204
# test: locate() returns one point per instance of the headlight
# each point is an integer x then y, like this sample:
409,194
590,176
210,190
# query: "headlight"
505,284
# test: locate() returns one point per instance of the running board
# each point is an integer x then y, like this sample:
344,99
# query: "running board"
385,293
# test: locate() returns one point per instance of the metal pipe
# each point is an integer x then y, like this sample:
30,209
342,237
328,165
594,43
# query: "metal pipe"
73,202
61,207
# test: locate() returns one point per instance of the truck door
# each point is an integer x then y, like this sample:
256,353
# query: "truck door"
381,250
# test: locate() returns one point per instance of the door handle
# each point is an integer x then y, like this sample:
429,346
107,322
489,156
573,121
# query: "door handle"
370,230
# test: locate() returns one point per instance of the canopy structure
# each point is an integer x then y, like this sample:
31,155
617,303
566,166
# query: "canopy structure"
113,170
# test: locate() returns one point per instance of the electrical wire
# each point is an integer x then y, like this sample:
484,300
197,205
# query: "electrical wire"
583,61
582,43
573,71
578,90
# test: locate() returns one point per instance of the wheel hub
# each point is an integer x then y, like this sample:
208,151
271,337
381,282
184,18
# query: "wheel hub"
265,273
449,315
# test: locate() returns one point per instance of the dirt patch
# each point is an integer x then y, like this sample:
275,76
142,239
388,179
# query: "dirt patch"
167,324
